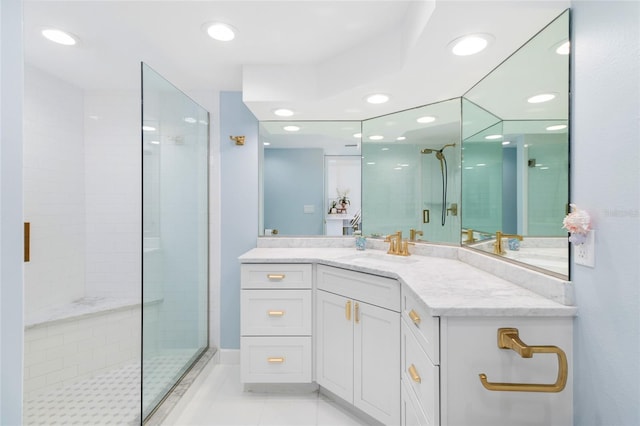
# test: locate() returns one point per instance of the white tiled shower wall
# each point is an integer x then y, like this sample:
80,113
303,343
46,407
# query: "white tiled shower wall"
83,200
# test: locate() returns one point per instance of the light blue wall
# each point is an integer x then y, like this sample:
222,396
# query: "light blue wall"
11,276
239,207
605,169
285,198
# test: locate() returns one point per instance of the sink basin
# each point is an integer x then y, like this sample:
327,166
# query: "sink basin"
373,258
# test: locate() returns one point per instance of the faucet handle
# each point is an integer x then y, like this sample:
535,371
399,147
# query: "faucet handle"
404,247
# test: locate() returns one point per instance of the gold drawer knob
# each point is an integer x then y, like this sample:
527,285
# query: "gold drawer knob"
275,313
275,360
414,317
414,374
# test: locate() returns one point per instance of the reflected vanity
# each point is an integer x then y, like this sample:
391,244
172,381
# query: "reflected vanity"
460,171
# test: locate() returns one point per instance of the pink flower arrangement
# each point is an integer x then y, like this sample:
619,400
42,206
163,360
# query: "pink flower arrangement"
578,223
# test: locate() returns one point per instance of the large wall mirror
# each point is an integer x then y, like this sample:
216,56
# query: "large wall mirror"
456,171
516,154
411,173
310,177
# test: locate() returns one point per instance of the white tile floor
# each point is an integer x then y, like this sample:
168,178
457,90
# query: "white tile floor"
217,398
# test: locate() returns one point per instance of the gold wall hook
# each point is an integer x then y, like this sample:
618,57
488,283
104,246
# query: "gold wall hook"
508,339
238,139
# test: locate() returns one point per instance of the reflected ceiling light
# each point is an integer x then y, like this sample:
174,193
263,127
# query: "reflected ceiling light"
397,168
357,135
376,137
400,138
377,98
190,120
154,142
470,44
564,48
544,168
283,112
58,36
468,168
493,137
557,127
291,128
543,97
480,164
265,143
221,32
506,143
385,149
371,163
426,119
148,128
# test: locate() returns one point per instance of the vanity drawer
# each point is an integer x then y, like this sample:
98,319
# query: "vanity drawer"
275,359
373,289
276,312
425,327
411,411
276,275
420,375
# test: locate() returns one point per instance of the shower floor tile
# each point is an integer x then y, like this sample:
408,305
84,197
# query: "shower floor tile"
110,398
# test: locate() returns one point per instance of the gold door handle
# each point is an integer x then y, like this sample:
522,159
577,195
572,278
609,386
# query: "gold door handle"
414,374
508,339
275,276
357,309
347,310
414,317
275,313
275,360
27,241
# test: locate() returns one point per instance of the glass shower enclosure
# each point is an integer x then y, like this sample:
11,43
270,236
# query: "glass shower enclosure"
175,152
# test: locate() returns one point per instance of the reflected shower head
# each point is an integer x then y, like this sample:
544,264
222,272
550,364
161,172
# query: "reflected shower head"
427,151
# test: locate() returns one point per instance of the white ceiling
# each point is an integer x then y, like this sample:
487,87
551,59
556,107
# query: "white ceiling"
319,58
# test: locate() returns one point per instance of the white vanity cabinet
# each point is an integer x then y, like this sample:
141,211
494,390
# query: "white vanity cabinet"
358,340
442,359
276,323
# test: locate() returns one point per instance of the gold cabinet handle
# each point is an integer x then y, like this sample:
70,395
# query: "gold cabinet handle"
275,313
414,317
347,310
275,360
508,339
275,276
357,311
414,374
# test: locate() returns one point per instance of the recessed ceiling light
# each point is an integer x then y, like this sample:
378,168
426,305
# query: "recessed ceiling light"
221,32
470,44
376,137
564,48
58,36
557,127
493,137
378,98
291,128
283,112
426,119
357,135
543,97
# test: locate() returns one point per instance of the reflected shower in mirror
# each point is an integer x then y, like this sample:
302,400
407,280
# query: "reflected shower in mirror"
411,173
310,177
515,167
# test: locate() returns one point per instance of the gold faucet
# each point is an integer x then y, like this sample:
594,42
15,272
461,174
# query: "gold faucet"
394,240
413,233
470,238
497,246
404,248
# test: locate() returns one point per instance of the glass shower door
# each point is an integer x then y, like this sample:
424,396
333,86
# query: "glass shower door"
175,145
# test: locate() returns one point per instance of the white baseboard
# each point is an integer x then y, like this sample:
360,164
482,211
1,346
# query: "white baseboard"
228,356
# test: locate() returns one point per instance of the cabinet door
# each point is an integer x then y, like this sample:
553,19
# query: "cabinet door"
334,344
377,362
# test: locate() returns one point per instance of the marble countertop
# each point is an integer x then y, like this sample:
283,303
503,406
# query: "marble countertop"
447,285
